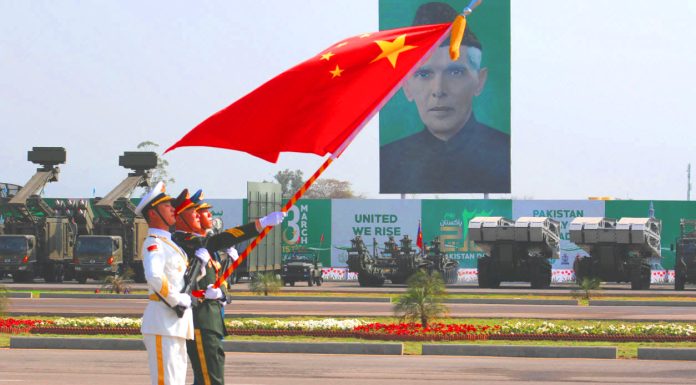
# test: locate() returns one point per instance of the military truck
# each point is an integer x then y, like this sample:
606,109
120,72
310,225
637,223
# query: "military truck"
362,262
396,262
685,261
619,251
37,240
440,262
301,267
115,243
515,250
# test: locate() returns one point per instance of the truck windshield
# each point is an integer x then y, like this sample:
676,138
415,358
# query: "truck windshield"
101,246
300,258
13,245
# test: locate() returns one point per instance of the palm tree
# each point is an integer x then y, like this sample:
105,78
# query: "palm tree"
265,283
587,286
423,299
118,283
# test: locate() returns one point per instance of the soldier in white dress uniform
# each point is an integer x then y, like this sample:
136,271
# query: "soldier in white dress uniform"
164,332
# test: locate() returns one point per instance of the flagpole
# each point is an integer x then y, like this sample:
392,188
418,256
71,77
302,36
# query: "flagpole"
298,194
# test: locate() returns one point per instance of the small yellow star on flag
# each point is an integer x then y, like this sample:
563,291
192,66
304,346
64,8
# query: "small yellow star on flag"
336,72
327,56
392,49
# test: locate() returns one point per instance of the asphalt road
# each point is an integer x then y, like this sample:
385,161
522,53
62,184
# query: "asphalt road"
352,287
135,307
57,367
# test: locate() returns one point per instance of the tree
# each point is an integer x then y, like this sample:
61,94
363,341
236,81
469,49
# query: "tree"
159,174
290,181
331,189
423,299
264,283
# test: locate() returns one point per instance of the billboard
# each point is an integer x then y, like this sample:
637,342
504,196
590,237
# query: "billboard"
449,220
447,130
564,212
307,230
373,220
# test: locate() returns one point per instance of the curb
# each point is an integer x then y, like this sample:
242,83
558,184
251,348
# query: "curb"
93,296
18,295
643,303
680,354
309,299
228,346
314,348
505,301
521,351
76,343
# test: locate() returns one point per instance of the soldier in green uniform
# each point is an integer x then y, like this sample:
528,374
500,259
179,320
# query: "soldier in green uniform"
205,351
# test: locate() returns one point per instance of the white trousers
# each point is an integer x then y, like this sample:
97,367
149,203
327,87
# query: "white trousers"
167,359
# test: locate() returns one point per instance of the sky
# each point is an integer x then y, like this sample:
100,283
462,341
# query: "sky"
602,95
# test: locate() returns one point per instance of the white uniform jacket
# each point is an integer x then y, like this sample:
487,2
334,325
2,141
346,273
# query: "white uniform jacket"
165,264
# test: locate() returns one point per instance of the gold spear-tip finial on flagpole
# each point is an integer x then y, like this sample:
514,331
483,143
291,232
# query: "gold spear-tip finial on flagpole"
458,27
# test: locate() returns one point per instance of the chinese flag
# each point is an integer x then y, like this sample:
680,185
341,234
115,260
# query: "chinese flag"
419,237
317,105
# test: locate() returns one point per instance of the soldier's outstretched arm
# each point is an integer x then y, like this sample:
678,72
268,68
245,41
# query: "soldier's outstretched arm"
235,235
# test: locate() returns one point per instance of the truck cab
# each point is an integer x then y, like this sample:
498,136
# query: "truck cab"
302,267
96,256
17,255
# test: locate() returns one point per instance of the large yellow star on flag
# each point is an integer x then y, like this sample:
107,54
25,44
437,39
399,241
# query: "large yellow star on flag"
336,72
392,49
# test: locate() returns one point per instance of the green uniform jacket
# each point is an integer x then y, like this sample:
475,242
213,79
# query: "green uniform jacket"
207,314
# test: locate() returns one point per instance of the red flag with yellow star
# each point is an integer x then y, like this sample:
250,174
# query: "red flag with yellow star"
316,106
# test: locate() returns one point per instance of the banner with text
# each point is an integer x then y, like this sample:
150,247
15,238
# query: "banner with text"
372,220
449,220
231,211
307,230
564,212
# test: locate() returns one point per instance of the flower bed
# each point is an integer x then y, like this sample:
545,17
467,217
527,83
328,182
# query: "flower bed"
416,332
355,328
17,326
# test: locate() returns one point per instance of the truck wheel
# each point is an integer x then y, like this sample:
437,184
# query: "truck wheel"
319,281
309,282
139,274
292,283
485,279
679,281
81,278
541,275
640,277
59,273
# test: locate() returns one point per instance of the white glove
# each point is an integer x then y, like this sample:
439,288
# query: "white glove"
273,219
232,253
212,292
203,255
184,300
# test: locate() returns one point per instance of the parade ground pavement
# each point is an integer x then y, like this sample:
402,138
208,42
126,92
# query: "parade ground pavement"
18,366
